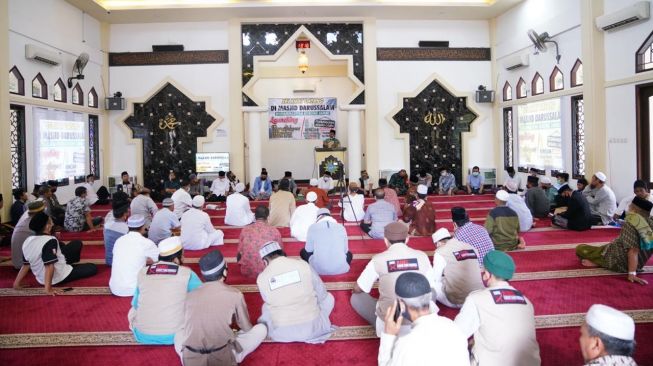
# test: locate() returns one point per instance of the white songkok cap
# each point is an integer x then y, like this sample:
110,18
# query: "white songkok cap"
545,180
311,197
170,246
198,201
313,182
136,221
422,189
512,186
601,176
611,321
269,247
240,187
442,233
502,196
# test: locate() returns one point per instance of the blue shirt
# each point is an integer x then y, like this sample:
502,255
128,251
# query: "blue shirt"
475,181
447,182
112,231
328,242
267,186
162,224
380,213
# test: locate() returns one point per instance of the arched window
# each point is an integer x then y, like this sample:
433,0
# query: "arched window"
16,82
92,98
39,87
537,85
507,91
577,74
645,55
521,88
60,94
556,80
78,95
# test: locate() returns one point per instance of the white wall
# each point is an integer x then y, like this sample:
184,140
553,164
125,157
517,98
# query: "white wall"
205,81
61,28
398,77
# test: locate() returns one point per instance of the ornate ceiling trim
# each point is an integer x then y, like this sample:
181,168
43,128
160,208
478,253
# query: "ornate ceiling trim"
168,58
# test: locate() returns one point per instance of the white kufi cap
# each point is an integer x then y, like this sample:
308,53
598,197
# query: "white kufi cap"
422,189
502,195
611,321
442,233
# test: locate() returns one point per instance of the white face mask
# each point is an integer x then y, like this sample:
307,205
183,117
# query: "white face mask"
475,174
443,174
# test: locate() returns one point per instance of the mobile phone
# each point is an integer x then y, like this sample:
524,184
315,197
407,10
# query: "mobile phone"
67,289
397,311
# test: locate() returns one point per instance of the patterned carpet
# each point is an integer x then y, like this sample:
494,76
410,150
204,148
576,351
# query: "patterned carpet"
88,324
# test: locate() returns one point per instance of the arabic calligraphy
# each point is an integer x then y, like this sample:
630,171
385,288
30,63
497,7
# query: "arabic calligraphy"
169,122
434,119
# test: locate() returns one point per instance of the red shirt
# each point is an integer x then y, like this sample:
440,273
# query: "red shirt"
252,238
322,197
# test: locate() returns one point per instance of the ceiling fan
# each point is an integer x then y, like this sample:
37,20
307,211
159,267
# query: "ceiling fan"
78,68
540,41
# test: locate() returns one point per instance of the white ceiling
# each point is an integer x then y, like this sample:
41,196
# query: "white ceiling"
148,11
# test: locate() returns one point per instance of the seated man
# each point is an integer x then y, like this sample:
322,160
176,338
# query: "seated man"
536,199
252,238
182,199
420,215
432,339
425,178
607,337
475,181
578,215
262,188
91,195
447,182
322,197
327,246
197,231
326,183
114,229
57,210
172,184
50,262
220,188
502,223
517,204
551,192
365,183
629,252
144,205
378,215
164,223
602,200
386,267
513,177
282,205
390,196
500,318
125,185
22,232
196,186
640,188
471,233
399,182
19,206
157,311
562,179
303,217
456,269
332,142
353,204
581,184
238,212
206,337
131,253
291,182
78,213
296,304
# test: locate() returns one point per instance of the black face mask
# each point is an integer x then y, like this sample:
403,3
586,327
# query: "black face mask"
264,178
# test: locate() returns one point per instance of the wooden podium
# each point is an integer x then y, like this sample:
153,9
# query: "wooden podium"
331,160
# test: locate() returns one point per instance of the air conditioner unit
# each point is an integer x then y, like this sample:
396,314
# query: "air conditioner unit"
33,52
516,61
636,12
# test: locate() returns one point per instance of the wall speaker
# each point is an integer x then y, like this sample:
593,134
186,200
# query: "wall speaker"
114,104
484,96
167,47
432,44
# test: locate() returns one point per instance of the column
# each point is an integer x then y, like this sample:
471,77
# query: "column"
254,156
354,142
5,138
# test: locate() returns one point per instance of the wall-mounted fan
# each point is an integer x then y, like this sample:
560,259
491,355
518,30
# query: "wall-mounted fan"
78,68
540,41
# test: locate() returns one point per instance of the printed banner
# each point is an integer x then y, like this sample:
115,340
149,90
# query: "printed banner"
540,134
301,118
62,149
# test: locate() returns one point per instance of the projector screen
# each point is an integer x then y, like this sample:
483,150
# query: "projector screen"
61,144
211,162
539,132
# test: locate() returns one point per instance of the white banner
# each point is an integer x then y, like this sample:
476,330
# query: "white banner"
540,140
301,118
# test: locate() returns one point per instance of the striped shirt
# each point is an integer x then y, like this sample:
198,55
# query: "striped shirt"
476,236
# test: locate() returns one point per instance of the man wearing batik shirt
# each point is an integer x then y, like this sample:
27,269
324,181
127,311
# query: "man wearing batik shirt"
607,337
252,238
399,182
471,233
447,182
332,142
631,250
78,213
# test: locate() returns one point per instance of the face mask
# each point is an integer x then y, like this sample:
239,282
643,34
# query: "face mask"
511,175
443,174
475,174
326,178
560,181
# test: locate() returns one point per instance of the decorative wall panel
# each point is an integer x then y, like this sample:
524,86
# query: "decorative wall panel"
433,54
168,58
267,39
169,124
435,120
17,147
578,136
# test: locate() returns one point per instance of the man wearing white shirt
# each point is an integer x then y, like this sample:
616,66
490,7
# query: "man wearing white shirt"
353,205
602,200
517,204
220,188
238,211
91,196
513,177
303,217
197,231
164,222
182,199
432,339
326,182
144,205
131,253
